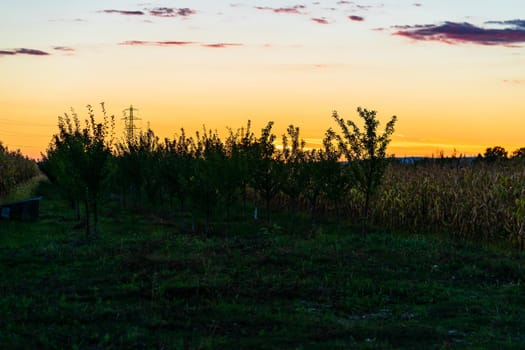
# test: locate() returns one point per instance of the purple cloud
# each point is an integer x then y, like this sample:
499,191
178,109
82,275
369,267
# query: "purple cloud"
356,18
32,52
292,9
7,53
455,33
68,20
321,20
23,51
63,48
171,12
220,45
125,13
156,43
516,23
366,7
177,43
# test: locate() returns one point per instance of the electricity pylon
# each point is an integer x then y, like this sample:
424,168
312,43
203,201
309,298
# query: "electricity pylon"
129,120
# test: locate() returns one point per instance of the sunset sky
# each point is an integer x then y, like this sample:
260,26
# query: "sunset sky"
453,71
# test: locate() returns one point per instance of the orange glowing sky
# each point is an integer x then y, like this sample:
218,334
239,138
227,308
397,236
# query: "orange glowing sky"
452,71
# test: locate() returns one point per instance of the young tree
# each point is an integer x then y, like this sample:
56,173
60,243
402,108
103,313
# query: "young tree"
333,175
238,146
295,171
365,152
209,173
80,160
266,176
244,151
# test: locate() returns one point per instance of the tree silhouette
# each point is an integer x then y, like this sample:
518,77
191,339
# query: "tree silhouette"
266,176
80,160
333,175
295,171
519,153
365,152
209,173
495,153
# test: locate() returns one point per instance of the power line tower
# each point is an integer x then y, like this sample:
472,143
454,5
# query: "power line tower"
129,121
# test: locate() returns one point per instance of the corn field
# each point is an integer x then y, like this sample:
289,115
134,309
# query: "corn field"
479,201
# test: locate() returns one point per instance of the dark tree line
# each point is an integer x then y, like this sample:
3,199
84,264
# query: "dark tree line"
201,179
15,169
498,153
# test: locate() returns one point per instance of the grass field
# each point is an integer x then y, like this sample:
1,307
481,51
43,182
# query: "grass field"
146,285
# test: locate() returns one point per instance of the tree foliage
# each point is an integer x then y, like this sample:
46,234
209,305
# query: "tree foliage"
78,160
519,153
495,153
15,169
365,152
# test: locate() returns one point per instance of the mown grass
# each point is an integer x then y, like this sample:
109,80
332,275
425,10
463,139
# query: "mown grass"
147,285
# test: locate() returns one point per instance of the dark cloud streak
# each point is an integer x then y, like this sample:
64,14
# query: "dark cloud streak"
24,51
455,33
517,23
178,43
156,43
321,20
297,9
63,48
125,13
356,18
221,45
171,12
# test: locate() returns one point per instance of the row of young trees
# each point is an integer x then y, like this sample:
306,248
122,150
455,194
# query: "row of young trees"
207,177
15,168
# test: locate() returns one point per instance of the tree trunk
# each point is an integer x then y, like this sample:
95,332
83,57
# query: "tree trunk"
77,209
244,199
88,214
365,214
208,214
268,207
313,210
95,218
